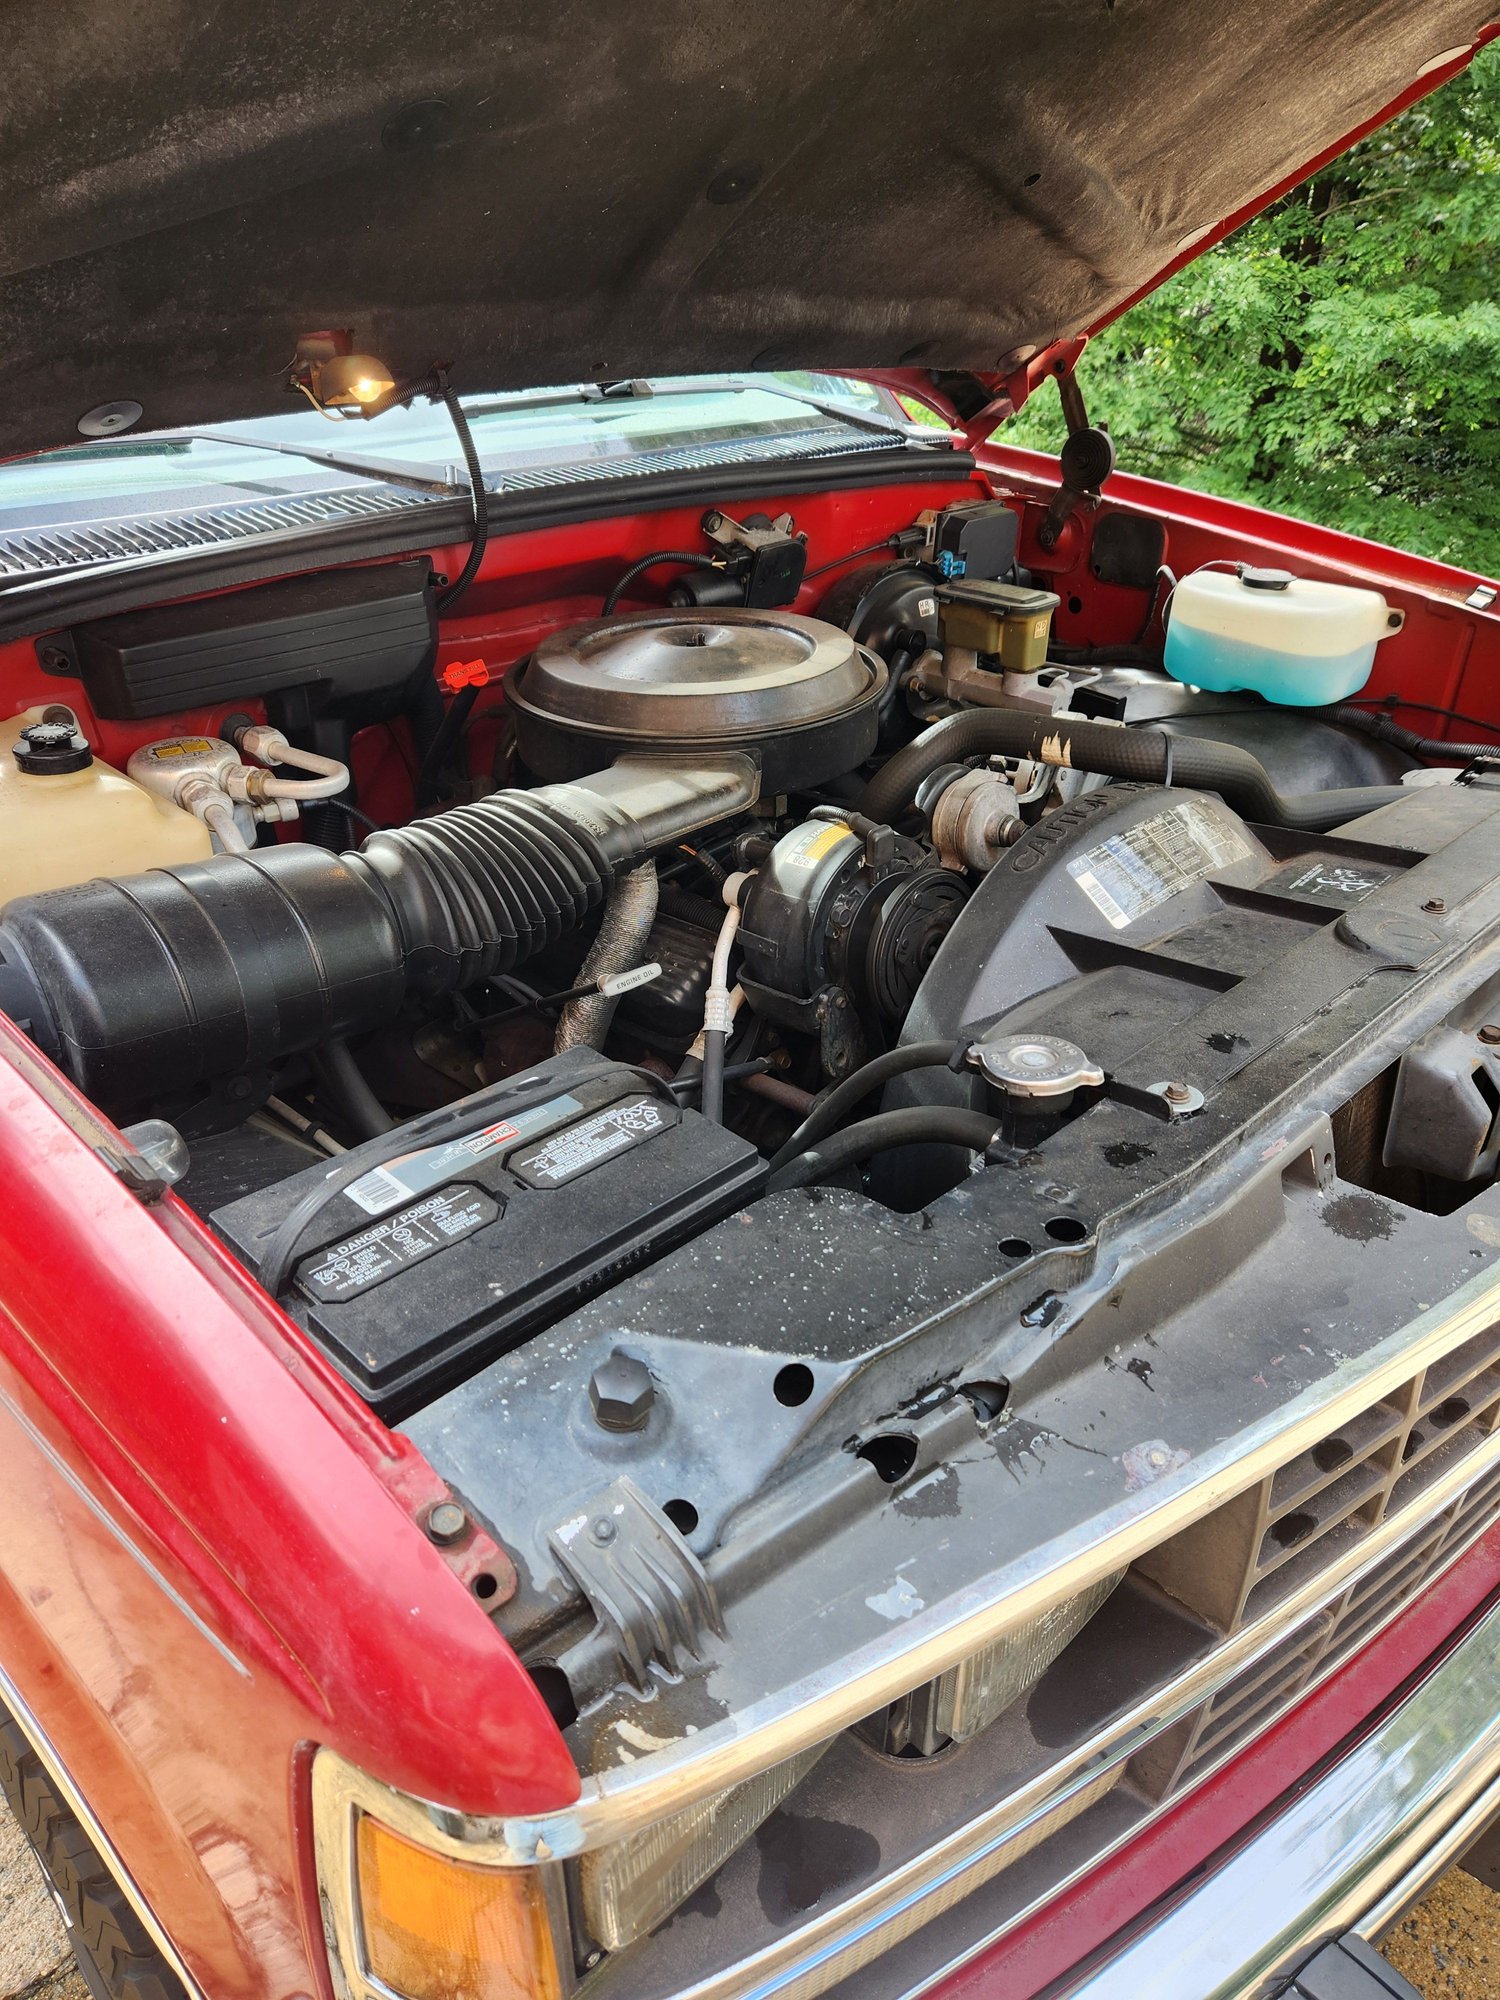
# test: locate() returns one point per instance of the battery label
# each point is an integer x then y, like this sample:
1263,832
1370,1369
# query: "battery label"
589,1143
346,1269
386,1187
1132,873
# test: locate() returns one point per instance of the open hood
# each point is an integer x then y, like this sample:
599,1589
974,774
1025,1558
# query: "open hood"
598,188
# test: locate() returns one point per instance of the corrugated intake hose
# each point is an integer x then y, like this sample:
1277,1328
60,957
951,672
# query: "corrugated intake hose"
142,988
1148,756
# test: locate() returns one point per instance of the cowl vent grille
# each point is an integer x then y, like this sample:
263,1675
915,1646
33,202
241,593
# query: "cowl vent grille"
38,552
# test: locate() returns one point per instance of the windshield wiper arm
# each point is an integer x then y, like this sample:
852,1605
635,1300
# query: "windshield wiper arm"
642,389
392,472
830,406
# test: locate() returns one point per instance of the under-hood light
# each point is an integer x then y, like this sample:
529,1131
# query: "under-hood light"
340,383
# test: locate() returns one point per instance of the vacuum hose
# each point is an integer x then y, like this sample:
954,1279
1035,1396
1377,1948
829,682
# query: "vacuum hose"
1149,756
144,987
1384,730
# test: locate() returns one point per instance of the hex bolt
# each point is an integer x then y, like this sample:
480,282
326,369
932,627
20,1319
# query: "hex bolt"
1178,1093
446,1523
621,1393
1435,906
602,1530
1490,1032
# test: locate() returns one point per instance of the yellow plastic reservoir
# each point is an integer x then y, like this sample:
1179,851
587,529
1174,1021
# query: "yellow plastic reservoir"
61,825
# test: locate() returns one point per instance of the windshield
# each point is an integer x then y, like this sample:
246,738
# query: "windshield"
131,498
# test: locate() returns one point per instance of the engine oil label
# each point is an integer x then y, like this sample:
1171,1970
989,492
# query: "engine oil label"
591,1142
346,1269
386,1187
1132,873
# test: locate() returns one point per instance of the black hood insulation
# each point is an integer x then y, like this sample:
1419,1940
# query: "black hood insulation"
586,192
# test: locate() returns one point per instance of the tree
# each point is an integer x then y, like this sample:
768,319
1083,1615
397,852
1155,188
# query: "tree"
1338,358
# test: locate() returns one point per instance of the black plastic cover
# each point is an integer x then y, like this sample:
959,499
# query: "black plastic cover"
1349,1968
981,537
446,1253
354,631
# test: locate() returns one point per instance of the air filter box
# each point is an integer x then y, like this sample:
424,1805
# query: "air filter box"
415,1258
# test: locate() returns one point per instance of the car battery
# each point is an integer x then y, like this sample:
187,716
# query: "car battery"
416,1257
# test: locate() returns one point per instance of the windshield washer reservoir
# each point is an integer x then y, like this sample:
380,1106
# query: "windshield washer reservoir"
1289,638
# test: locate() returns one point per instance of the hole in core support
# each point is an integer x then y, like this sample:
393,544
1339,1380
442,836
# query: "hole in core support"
893,1455
793,1384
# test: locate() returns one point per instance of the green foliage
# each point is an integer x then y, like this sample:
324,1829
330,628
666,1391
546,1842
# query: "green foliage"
1338,358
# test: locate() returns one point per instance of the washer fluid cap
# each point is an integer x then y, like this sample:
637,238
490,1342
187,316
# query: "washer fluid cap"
1026,1065
1265,579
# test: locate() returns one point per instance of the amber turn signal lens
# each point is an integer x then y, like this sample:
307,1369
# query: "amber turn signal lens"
438,1929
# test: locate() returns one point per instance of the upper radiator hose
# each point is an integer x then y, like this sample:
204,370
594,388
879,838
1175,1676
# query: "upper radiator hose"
1150,756
144,987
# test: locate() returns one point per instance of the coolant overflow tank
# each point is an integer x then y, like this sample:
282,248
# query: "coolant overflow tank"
66,818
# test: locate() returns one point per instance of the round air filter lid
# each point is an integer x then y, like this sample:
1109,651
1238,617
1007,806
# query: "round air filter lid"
696,676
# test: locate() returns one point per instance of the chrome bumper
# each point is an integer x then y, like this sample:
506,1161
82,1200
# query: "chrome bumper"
1349,1853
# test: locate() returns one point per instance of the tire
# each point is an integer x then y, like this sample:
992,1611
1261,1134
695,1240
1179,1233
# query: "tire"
114,1951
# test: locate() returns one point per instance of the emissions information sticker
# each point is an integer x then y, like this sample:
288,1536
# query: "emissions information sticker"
1132,873
387,1186
589,1143
346,1269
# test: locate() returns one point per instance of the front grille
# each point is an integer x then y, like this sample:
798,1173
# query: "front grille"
1283,1532
1239,1562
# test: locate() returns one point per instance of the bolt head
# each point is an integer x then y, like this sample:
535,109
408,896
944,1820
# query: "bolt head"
621,1393
1177,1093
1490,1032
447,1523
1434,906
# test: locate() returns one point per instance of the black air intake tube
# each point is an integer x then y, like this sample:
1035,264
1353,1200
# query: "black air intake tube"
145,987
1149,756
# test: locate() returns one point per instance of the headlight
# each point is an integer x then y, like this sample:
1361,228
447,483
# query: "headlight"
972,1695
432,1927
631,1887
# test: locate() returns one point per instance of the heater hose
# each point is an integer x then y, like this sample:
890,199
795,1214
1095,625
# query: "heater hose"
1148,756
